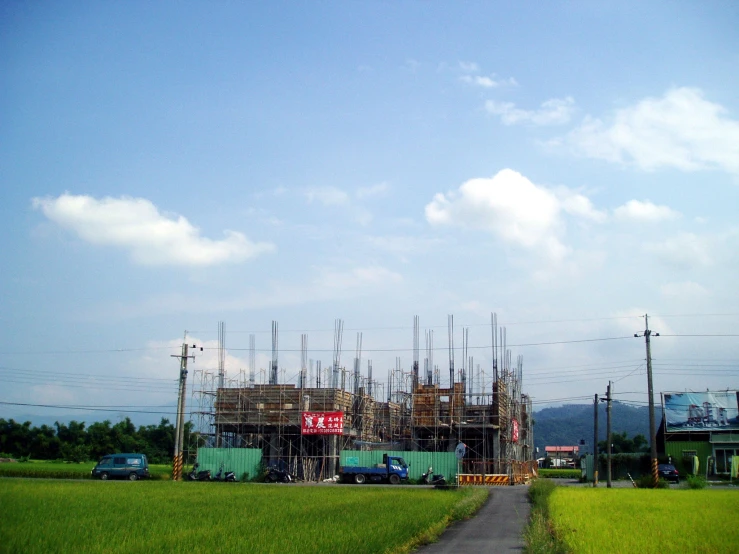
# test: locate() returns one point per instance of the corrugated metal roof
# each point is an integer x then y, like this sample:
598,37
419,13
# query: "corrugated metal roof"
562,449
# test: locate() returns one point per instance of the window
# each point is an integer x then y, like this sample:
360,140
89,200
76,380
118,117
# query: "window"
119,461
723,459
105,462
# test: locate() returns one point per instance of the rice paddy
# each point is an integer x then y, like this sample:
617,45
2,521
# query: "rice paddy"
122,517
645,520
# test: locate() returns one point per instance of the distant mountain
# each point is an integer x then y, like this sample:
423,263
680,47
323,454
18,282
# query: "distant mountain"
567,425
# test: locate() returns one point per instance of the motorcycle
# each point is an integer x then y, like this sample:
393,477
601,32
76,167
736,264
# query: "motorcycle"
196,475
276,475
429,478
229,477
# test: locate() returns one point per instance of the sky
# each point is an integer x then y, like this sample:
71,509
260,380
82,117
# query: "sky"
568,166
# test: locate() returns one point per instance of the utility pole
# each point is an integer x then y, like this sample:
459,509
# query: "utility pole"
179,439
608,431
595,444
652,429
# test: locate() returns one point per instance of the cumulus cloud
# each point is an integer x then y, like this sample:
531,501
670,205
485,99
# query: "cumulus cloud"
635,210
579,205
680,130
684,251
150,237
555,111
512,208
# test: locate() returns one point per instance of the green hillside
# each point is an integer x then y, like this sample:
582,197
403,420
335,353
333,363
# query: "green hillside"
567,425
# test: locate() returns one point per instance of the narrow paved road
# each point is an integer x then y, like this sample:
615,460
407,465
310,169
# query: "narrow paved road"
497,527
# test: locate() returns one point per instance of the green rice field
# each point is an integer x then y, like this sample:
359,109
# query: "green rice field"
62,470
645,520
157,516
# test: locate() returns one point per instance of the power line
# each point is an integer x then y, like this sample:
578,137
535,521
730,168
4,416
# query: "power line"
85,408
100,351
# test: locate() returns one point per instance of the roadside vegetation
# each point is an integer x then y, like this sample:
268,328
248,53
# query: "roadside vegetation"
575,519
560,473
66,470
76,442
122,517
539,536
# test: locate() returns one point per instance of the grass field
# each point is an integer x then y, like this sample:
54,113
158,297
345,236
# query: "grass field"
112,517
645,520
61,470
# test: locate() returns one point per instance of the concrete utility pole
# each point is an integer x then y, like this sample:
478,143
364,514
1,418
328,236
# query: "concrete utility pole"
595,445
179,438
652,428
608,431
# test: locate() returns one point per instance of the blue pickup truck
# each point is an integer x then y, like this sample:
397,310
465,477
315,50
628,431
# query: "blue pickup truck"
393,470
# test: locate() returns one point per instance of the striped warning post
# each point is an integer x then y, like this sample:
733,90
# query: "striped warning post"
177,468
487,480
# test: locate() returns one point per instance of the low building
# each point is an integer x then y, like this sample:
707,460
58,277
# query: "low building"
562,456
703,425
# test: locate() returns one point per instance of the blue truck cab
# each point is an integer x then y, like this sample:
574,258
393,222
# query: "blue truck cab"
393,470
127,466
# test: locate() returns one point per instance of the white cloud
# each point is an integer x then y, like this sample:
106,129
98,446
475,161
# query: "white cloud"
488,82
635,210
579,205
328,196
514,209
680,130
379,189
555,111
151,238
683,290
469,67
685,251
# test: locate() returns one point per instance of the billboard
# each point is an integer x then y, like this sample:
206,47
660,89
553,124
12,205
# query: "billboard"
701,411
514,432
322,423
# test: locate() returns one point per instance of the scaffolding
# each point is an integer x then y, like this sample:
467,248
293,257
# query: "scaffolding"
487,411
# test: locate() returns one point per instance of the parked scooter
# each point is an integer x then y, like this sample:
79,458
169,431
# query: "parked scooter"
196,475
229,476
430,478
276,475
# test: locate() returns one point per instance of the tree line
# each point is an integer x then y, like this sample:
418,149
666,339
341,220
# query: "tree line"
74,442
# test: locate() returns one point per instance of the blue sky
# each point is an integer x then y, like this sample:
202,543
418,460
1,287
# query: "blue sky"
167,166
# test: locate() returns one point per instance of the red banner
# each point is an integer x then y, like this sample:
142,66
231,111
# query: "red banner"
323,423
514,431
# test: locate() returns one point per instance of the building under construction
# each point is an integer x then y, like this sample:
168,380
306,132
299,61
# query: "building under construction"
410,411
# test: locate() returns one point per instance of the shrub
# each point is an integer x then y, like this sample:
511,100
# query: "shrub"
696,482
645,482
561,473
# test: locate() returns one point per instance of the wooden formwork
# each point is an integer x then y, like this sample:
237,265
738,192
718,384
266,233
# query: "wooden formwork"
281,405
276,404
500,405
433,406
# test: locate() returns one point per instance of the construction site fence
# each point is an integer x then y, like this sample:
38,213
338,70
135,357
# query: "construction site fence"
444,463
249,464
520,473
